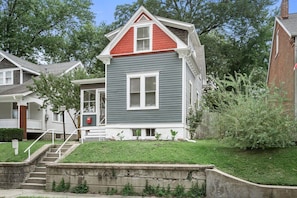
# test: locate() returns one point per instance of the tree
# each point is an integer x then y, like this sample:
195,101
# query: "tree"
40,29
57,91
236,33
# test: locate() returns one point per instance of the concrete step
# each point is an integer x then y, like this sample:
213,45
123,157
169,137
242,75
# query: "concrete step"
49,159
53,150
52,154
38,174
40,169
36,180
33,186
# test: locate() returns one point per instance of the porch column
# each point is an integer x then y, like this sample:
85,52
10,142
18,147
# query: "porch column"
23,119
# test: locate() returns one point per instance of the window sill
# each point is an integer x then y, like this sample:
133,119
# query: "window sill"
141,108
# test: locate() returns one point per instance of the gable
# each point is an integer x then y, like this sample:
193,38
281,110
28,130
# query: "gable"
6,64
160,40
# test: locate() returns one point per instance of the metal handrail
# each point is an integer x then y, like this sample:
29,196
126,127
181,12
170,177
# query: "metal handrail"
29,148
60,148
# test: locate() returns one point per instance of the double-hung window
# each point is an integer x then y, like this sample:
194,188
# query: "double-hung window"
89,101
143,38
143,91
6,77
57,117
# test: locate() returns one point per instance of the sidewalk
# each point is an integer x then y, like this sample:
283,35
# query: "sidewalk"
13,193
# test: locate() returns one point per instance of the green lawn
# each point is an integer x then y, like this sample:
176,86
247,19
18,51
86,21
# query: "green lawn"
274,166
7,152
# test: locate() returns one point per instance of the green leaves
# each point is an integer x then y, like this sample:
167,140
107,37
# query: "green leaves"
251,116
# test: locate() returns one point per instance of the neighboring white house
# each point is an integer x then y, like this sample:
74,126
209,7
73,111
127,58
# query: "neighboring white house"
19,107
155,71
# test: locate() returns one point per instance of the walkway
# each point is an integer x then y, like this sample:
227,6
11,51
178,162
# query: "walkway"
14,193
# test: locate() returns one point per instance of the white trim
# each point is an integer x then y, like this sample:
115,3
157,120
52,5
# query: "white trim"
282,25
143,25
184,91
277,43
142,77
89,81
79,64
21,76
106,100
144,126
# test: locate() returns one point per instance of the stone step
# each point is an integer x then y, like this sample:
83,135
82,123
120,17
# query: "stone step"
49,159
36,180
38,174
53,150
40,169
52,154
33,186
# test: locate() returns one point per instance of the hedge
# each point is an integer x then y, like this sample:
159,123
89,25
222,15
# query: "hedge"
7,134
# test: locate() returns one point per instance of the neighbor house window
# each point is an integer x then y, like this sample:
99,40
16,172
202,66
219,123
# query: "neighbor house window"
143,38
150,132
143,91
89,103
136,132
57,117
6,77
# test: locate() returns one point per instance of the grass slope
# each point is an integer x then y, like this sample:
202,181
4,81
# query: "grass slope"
274,166
7,152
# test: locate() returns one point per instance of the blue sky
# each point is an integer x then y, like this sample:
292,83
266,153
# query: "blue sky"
104,9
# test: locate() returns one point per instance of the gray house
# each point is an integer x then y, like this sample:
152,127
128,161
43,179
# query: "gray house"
155,71
19,107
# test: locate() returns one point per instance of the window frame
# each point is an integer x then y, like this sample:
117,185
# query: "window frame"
191,89
89,101
59,116
136,27
4,77
151,131
142,77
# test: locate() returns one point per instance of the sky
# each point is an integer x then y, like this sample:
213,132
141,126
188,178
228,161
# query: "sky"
104,9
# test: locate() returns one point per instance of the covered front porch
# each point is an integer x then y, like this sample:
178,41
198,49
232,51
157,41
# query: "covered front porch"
24,114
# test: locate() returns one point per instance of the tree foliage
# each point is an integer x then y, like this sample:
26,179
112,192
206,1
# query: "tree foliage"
236,34
57,91
51,30
251,116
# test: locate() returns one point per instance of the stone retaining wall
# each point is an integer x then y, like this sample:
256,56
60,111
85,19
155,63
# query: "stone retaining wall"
222,185
12,174
100,177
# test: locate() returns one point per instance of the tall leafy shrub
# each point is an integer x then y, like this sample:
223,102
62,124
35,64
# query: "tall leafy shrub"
251,116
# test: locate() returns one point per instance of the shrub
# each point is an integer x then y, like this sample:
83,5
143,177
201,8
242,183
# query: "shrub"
7,134
61,187
81,188
252,116
194,118
128,190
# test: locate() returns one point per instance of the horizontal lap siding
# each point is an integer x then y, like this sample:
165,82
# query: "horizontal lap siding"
170,89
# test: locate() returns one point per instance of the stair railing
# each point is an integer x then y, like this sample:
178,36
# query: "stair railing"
53,141
60,148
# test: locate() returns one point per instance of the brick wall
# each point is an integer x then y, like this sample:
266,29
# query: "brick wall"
281,73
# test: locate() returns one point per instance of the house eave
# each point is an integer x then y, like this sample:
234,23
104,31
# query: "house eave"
88,81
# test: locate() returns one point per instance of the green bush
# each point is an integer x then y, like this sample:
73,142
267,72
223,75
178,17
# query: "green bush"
7,134
252,116
81,188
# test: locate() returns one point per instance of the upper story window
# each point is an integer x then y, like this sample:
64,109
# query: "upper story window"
143,37
89,101
143,91
58,116
6,77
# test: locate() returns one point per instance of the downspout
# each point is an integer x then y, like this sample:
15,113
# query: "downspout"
295,72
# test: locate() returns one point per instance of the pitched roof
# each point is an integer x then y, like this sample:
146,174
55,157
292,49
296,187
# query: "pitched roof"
289,24
21,89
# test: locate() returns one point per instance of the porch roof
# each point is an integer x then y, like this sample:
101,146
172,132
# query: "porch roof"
89,81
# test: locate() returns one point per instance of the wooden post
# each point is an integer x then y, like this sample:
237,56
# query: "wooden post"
23,120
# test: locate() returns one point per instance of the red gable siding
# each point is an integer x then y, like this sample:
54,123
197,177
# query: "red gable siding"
161,40
125,45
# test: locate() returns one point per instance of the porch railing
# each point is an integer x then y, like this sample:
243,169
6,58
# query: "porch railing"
68,138
43,134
